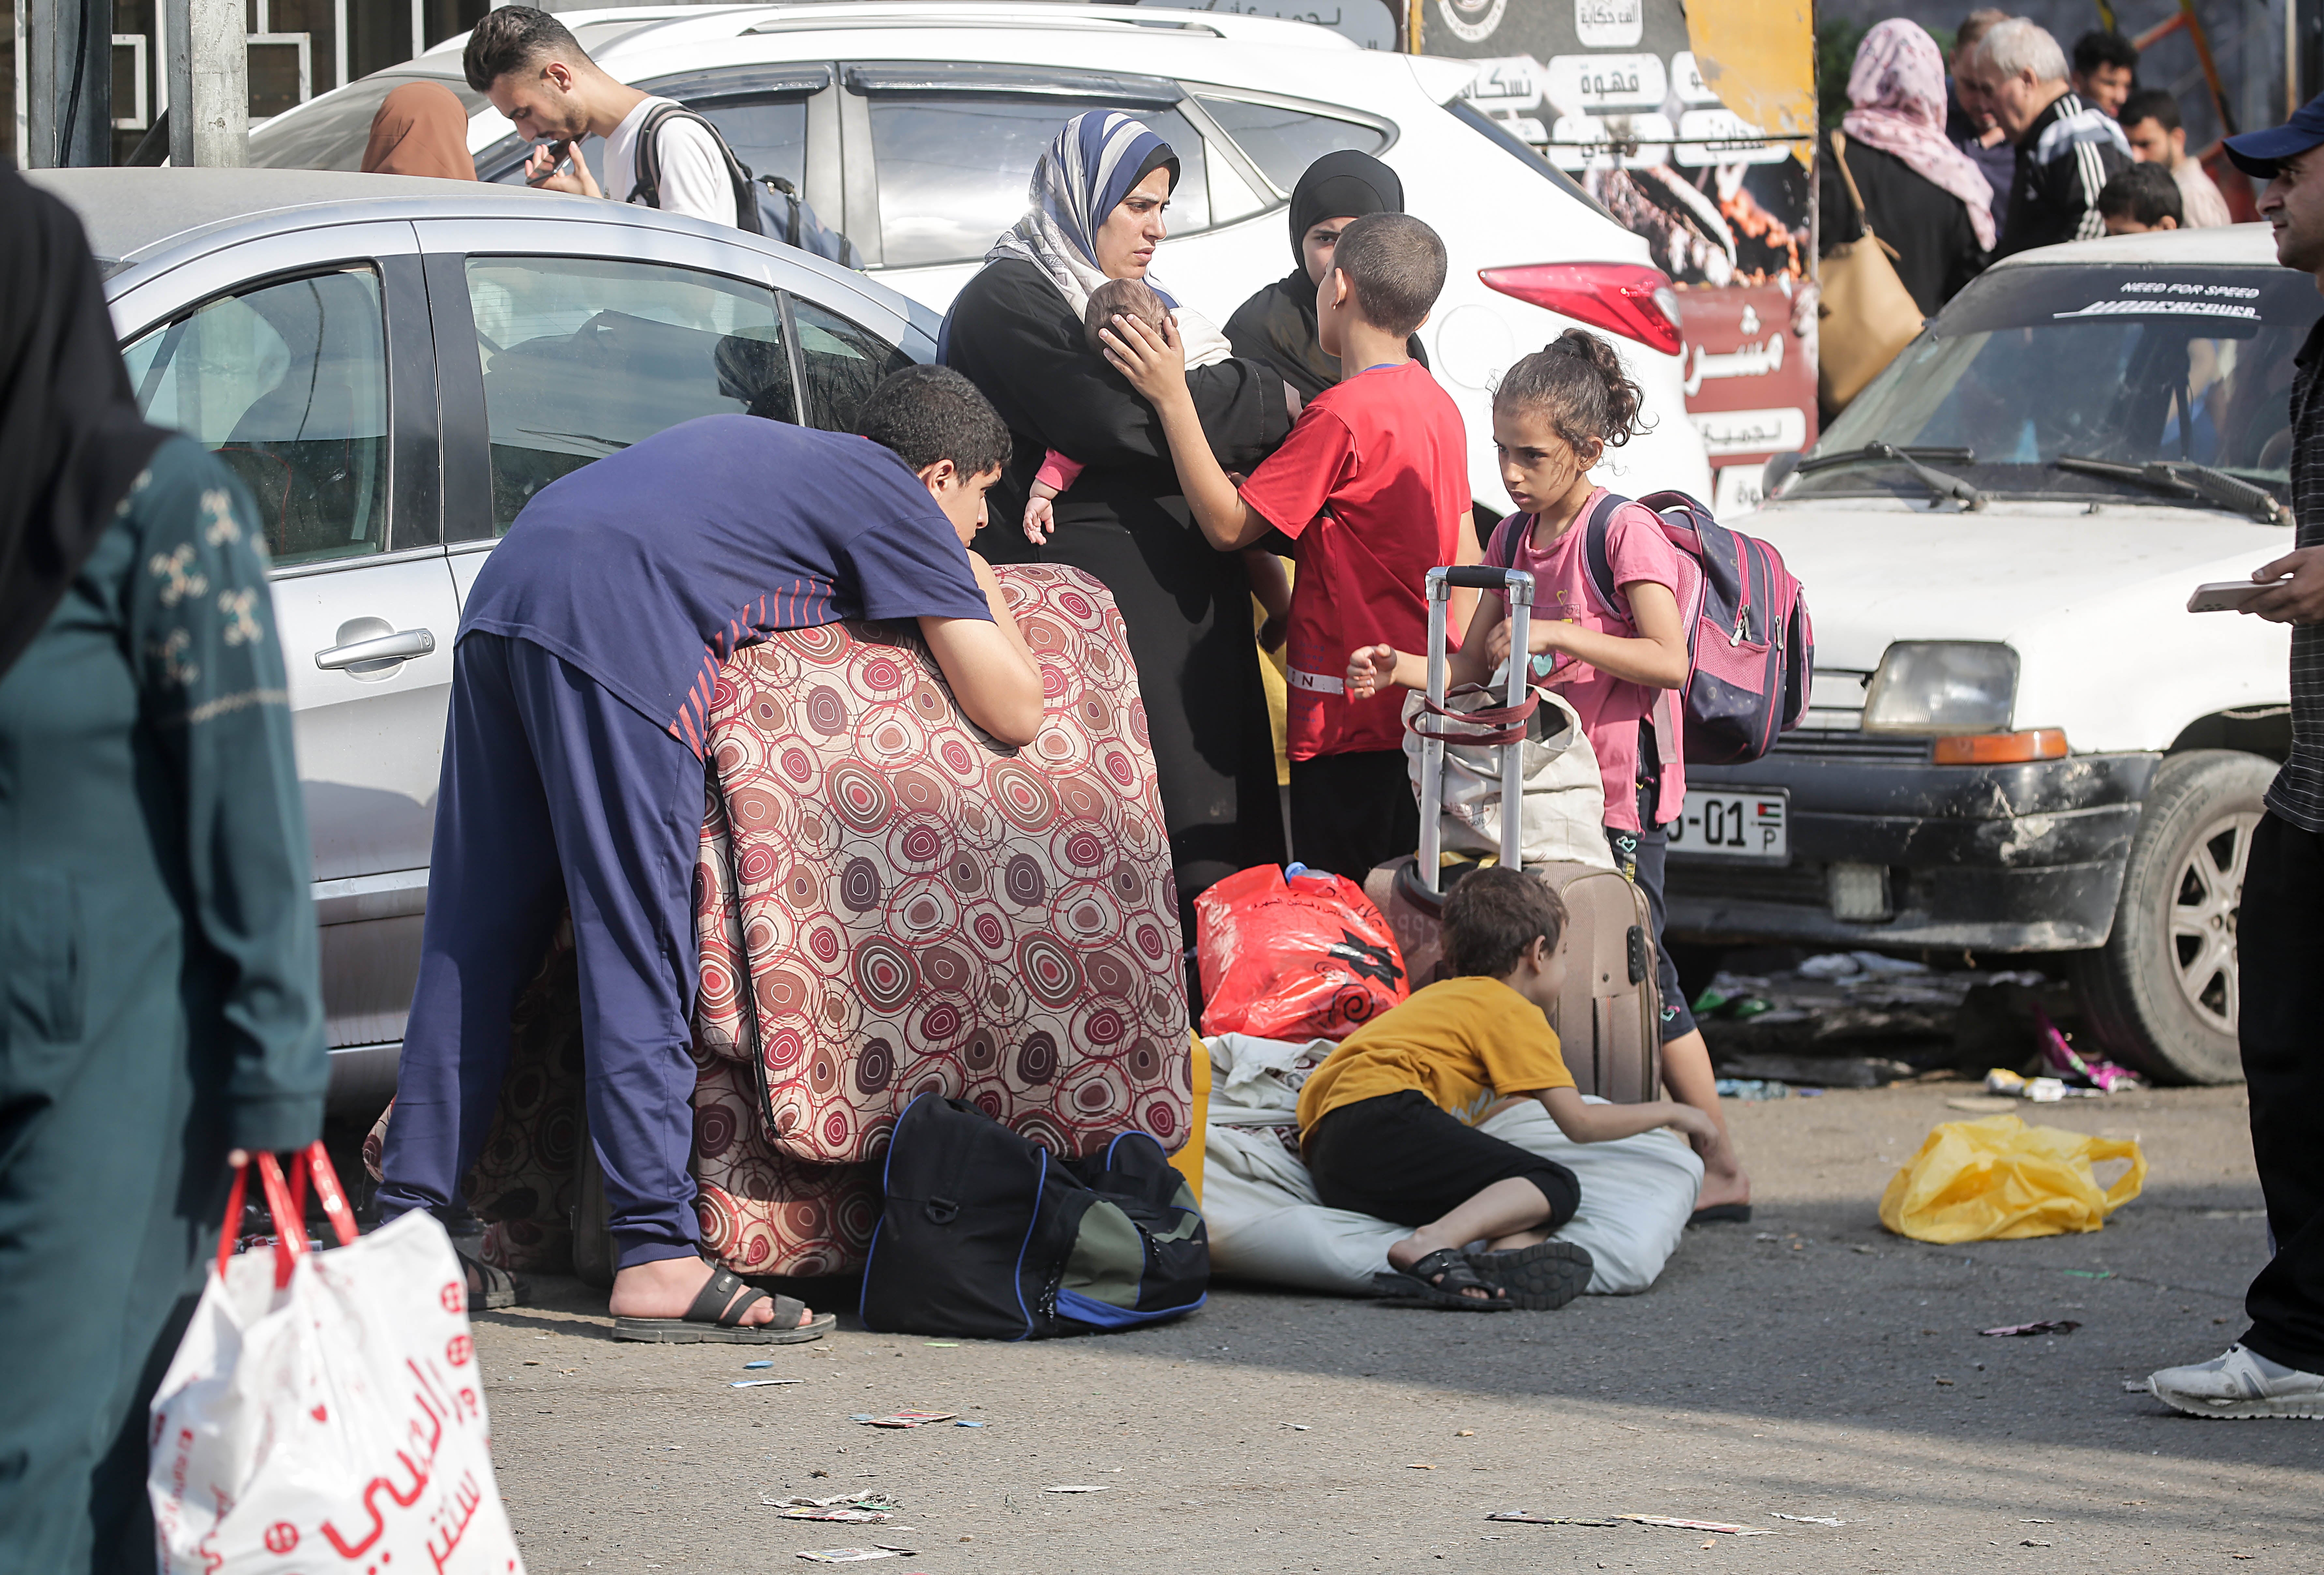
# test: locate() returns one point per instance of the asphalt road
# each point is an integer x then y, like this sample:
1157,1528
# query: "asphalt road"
1807,1364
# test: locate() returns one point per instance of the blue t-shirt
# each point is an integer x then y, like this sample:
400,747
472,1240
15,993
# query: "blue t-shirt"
649,567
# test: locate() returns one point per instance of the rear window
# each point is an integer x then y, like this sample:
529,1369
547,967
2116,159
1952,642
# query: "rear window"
330,133
1284,142
1509,143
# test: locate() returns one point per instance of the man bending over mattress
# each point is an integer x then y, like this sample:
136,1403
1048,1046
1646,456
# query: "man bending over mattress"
572,775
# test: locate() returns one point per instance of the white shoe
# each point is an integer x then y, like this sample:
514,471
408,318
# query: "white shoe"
2241,1384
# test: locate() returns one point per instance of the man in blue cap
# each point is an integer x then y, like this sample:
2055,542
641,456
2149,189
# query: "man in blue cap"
2277,1369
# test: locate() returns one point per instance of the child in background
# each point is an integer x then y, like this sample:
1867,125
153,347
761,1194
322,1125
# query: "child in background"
1388,1122
2142,199
1372,487
1136,298
1555,415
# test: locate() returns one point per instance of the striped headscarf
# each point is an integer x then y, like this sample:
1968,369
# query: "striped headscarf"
1080,178
1898,88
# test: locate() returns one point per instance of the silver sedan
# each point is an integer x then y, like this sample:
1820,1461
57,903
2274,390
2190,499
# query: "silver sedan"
395,366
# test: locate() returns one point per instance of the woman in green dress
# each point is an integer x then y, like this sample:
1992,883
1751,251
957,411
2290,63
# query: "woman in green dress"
157,936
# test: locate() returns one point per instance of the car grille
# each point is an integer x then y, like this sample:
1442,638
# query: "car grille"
1799,884
1833,744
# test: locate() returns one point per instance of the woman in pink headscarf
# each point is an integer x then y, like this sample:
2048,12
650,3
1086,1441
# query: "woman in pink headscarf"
1922,194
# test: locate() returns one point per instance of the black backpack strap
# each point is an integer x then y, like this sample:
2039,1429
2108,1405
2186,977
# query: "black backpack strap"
1596,554
648,187
1501,548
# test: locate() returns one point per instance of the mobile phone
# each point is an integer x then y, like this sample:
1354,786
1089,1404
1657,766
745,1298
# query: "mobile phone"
557,152
2223,595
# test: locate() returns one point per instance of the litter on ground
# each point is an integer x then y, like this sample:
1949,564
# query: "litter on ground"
850,1555
964,1422
1675,1524
1527,1517
2044,1326
907,1418
1069,1487
1803,1519
763,1383
852,1500
847,1512
762,1363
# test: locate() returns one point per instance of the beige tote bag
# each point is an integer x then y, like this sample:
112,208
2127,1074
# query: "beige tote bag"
1866,315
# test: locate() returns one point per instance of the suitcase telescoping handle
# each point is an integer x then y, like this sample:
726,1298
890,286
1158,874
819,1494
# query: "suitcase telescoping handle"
1518,586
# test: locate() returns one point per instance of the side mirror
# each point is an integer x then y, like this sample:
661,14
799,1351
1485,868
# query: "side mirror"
1779,471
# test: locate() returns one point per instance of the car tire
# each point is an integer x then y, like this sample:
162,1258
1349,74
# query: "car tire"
2161,994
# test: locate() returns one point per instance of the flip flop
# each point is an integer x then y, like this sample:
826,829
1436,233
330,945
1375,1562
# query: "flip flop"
716,1319
1540,1278
1436,1281
1721,1214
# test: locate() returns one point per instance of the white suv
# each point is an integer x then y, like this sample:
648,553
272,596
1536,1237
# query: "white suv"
913,128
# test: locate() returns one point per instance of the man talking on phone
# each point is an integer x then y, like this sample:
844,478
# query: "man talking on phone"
2277,1369
539,76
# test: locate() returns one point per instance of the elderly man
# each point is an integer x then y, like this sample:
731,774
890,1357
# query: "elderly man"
2066,149
2277,1369
2150,119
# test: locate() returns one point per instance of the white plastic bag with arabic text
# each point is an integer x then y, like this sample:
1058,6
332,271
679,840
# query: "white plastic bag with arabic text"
326,1413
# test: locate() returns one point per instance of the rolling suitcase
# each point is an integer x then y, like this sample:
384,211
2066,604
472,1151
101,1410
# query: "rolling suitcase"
1608,1015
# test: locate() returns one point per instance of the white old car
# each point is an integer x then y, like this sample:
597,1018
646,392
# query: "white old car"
2020,740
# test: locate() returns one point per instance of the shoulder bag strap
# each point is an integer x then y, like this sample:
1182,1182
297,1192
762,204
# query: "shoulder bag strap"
646,188
1855,197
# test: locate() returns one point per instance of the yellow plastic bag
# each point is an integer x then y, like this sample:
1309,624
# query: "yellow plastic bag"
1999,1179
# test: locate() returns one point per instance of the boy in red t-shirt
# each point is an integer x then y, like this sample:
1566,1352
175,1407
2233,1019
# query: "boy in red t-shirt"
1372,488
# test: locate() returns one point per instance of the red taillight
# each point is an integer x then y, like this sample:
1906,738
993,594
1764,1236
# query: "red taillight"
1621,297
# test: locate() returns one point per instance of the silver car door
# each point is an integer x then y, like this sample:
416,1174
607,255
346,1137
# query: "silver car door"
303,361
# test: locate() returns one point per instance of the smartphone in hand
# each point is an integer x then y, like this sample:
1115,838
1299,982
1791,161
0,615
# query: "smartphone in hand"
545,160
2223,595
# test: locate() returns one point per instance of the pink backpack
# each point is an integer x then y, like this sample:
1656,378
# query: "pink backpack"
1750,644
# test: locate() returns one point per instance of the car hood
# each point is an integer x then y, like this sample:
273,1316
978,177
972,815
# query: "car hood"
1881,569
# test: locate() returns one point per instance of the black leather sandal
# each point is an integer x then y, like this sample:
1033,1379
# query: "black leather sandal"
716,1319
1437,1281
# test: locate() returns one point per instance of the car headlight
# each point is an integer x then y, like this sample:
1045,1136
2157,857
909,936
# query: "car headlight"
1943,685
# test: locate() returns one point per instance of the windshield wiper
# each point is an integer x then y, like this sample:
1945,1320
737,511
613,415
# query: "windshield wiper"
1939,484
2185,478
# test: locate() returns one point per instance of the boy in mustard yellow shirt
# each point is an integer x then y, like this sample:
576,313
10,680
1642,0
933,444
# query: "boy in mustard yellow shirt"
1388,1123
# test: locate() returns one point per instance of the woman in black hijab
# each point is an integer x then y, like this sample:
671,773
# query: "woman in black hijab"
161,998
1277,325
1096,213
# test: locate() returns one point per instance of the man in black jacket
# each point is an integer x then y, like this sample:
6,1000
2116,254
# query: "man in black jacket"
2066,149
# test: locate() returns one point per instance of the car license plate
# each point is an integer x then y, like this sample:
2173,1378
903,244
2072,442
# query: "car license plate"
1729,825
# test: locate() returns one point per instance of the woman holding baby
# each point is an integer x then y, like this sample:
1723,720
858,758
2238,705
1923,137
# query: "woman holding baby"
1018,331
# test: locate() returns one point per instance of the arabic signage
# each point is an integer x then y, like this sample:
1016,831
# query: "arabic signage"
1613,92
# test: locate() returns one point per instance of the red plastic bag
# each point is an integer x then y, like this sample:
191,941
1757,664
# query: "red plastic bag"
1308,957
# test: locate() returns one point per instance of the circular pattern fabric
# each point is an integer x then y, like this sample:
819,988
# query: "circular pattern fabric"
997,922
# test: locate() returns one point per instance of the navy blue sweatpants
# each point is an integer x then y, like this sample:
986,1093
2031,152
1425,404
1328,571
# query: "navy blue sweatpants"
555,791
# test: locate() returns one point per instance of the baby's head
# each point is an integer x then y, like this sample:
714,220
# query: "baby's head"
1493,920
1131,298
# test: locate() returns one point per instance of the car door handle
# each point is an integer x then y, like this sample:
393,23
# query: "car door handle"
399,646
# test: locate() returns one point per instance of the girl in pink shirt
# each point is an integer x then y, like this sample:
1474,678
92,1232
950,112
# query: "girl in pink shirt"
1555,415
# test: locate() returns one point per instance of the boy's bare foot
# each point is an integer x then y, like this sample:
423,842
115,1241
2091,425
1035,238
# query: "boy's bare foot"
1731,1185
667,1286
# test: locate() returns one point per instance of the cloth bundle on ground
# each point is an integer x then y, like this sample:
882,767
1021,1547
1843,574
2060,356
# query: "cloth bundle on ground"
1266,1222
890,904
